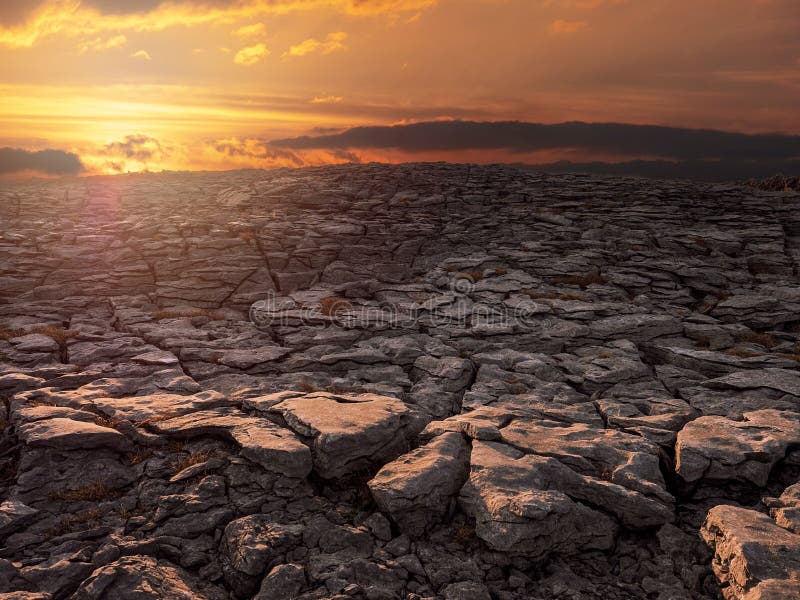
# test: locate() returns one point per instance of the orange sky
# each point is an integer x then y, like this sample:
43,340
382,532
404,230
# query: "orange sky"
203,84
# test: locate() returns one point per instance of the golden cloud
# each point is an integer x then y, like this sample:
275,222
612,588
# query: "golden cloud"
143,54
251,55
99,44
71,18
255,30
560,27
332,43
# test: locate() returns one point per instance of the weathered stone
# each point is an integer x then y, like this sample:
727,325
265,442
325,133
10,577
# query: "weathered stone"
417,489
145,578
251,546
66,434
273,448
754,559
348,433
719,449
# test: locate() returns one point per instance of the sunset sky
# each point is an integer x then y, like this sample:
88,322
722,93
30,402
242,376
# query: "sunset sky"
128,85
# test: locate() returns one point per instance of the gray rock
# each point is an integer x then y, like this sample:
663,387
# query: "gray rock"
417,489
349,433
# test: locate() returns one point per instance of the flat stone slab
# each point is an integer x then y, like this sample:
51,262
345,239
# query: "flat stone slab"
265,443
65,434
517,510
754,558
141,409
721,449
417,488
348,433
14,514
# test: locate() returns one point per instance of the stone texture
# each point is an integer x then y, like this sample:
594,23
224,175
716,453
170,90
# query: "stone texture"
454,381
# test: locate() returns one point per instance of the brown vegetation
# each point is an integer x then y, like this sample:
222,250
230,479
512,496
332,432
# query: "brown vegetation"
330,306
195,312
582,281
92,492
762,339
191,459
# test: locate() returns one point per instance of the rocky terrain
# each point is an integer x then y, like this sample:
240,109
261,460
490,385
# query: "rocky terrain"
417,381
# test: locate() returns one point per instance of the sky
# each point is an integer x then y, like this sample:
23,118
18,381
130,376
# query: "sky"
113,86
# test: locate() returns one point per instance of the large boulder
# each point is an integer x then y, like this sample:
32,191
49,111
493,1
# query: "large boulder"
721,449
251,546
349,433
754,558
417,489
145,578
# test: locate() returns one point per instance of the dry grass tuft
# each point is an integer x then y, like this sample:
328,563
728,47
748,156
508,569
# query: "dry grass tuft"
742,353
139,455
500,271
463,534
91,517
57,334
157,418
582,281
702,343
330,306
536,295
762,339
195,312
109,422
92,492
191,459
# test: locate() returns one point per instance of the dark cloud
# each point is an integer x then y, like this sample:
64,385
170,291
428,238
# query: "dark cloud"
15,12
122,6
50,162
255,148
519,137
138,147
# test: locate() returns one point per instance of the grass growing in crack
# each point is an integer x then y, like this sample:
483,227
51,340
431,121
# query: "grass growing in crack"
762,339
191,459
68,523
109,422
96,491
742,353
330,306
536,295
139,456
582,281
464,534
157,418
702,342
58,334
195,312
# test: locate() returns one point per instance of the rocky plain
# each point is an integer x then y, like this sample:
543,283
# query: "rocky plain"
416,381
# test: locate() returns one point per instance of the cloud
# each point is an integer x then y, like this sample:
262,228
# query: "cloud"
23,23
99,44
255,30
133,152
521,137
251,55
327,100
560,27
332,43
141,54
254,148
50,162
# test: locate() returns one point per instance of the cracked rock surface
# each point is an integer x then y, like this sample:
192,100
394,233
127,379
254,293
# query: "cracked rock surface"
416,381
